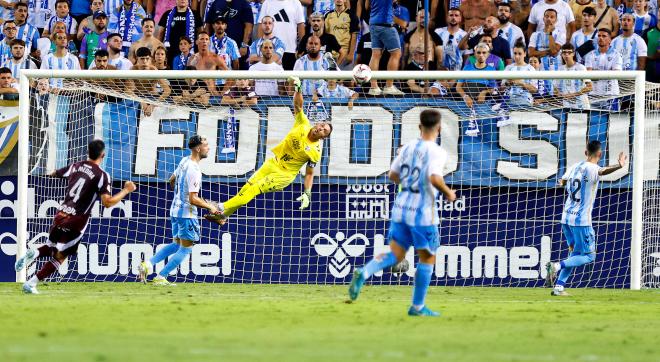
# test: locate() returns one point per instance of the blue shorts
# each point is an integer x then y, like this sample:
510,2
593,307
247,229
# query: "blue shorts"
421,237
581,238
185,228
384,37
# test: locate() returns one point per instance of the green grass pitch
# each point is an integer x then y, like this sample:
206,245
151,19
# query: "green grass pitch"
216,322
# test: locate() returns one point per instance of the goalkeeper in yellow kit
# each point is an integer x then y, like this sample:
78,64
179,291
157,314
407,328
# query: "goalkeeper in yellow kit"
300,146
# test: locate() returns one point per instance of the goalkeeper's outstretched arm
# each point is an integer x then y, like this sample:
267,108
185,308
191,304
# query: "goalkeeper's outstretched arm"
297,94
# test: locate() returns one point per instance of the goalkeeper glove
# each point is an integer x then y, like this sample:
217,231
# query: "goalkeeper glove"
304,199
297,85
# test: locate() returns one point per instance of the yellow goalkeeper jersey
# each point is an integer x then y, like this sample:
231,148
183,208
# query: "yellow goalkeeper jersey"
296,149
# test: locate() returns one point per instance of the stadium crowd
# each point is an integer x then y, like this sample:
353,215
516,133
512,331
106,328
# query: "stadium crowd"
542,35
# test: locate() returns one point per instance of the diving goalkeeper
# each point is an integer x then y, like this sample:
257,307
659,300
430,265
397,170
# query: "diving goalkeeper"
300,147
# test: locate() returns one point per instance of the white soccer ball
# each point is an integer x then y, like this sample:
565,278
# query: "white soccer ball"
362,73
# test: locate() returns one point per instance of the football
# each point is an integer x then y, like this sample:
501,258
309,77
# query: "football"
362,73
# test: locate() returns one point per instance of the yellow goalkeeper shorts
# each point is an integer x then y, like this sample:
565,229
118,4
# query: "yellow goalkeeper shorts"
271,177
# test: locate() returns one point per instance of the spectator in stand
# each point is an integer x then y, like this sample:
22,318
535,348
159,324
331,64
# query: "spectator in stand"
159,7
631,46
546,42
240,22
344,26
101,60
578,6
204,59
329,43
475,12
477,89
61,59
491,27
8,7
191,91
583,39
521,15
185,47
383,37
160,58
18,59
92,42
320,6
177,22
415,39
493,60
148,39
26,32
39,11
61,14
334,89
8,88
290,16
652,38
625,7
223,45
520,91
128,23
87,24
643,19
80,9
542,85
266,28
312,61
9,30
267,87
509,31
241,94
448,52
610,19
156,89
416,64
605,58
401,19
573,91
116,56
50,47
565,22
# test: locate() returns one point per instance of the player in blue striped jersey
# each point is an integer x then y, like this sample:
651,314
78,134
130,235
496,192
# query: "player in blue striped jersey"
187,181
581,182
418,169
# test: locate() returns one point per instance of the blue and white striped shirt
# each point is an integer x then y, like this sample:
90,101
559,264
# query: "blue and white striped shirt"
68,62
5,51
188,179
340,91
581,188
309,86
578,38
416,204
452,56
15,67
324,6
630,48
278,46
643,22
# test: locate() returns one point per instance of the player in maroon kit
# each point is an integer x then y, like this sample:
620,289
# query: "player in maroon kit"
86,182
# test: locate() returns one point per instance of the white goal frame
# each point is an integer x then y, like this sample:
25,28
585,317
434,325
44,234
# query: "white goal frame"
638,147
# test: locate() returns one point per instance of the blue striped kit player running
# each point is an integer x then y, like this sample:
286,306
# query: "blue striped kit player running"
581,182
418,169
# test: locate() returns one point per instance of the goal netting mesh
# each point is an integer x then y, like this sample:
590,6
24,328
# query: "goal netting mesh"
506,153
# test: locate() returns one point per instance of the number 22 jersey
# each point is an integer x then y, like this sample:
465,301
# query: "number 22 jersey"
581,186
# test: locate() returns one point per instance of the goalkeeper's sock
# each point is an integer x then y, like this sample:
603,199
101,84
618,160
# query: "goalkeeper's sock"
49,268
422,281
175,260
164,253
378,263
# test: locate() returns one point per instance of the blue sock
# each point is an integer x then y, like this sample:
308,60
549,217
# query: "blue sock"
163,253
422,281
175,260
564,273
378,263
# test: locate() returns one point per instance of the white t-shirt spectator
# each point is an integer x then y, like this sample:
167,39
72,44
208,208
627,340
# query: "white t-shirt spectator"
287,15
611,60
565,86
630,48
266,87
564,15
512,33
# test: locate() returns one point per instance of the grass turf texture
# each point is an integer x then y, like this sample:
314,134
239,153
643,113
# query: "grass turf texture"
215,322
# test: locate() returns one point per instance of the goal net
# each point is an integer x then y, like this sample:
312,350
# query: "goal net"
508,142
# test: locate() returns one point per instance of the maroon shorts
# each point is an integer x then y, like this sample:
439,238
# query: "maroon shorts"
66,232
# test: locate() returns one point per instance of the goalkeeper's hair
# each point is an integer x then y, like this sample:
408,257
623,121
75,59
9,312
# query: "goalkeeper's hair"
593,147
429,118
95,149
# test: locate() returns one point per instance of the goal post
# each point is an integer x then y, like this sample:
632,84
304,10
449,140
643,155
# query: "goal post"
500,233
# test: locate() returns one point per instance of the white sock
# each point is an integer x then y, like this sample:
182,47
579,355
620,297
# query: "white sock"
559,288
418,307
33,281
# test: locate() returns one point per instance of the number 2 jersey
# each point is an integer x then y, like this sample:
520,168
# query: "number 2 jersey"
86,182
581,187
415,204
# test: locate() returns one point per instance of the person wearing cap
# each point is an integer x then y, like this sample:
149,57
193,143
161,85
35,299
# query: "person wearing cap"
95,40
175,23
223,45
328,41
239,18
87,24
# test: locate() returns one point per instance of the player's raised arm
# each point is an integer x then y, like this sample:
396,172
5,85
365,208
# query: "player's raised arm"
609,169
297,94
110,201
